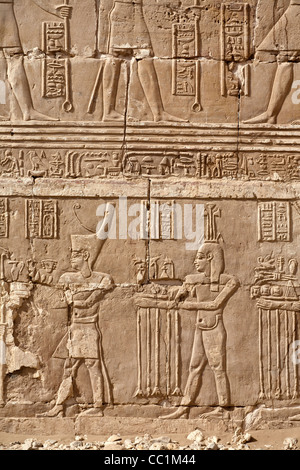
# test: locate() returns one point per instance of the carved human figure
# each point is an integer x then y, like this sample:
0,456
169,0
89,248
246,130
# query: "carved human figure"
212,289
128,35
12,50
84,289
9,164
283,41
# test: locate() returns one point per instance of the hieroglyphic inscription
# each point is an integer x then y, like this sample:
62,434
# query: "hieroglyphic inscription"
274,221
41,219
234,42
4,218
184,71
56,72
186,74
59,163
95,163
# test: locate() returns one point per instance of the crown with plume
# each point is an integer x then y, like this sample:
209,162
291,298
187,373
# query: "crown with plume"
94,242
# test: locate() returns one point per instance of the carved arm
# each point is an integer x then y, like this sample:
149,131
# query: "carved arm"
62,11
229,289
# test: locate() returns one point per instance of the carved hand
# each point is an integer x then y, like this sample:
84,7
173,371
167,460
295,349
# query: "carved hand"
69,297
155,303
181,294
145,303
296,306
64,11
173,305
188,305
266,304
91,300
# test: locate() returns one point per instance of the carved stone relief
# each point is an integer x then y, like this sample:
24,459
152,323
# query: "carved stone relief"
149,212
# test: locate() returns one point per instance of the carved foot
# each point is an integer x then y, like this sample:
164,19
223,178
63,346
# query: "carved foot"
217,413
181,412
34,115
93,412
294,418
133,119
113,116
164,116
261,119
55,412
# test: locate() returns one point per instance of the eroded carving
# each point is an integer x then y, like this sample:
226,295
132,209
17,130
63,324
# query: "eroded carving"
83,289
276,292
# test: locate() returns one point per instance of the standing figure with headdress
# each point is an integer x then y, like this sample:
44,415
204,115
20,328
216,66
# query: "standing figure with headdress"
84,289
283,42
211,288
124,34
10,44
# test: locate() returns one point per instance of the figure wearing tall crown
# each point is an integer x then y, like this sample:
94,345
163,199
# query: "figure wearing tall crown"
84,289
207,293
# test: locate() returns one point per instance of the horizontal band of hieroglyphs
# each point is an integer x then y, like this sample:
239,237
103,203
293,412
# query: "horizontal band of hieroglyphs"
92,164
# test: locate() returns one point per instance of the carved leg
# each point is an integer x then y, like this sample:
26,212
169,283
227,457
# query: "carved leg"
18,80
97,384
65,390
281,87
111,76
197,365
219,412
215,348
149,81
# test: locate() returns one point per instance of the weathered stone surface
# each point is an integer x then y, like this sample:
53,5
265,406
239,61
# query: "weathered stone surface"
149,219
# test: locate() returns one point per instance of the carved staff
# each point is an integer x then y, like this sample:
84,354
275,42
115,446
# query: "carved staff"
295,394
2,258
177,391
168,353
96,87
67,105
104,37
261,366
287,371
197,105
2,344
269,353
278,388
222,43
148,341
139,392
